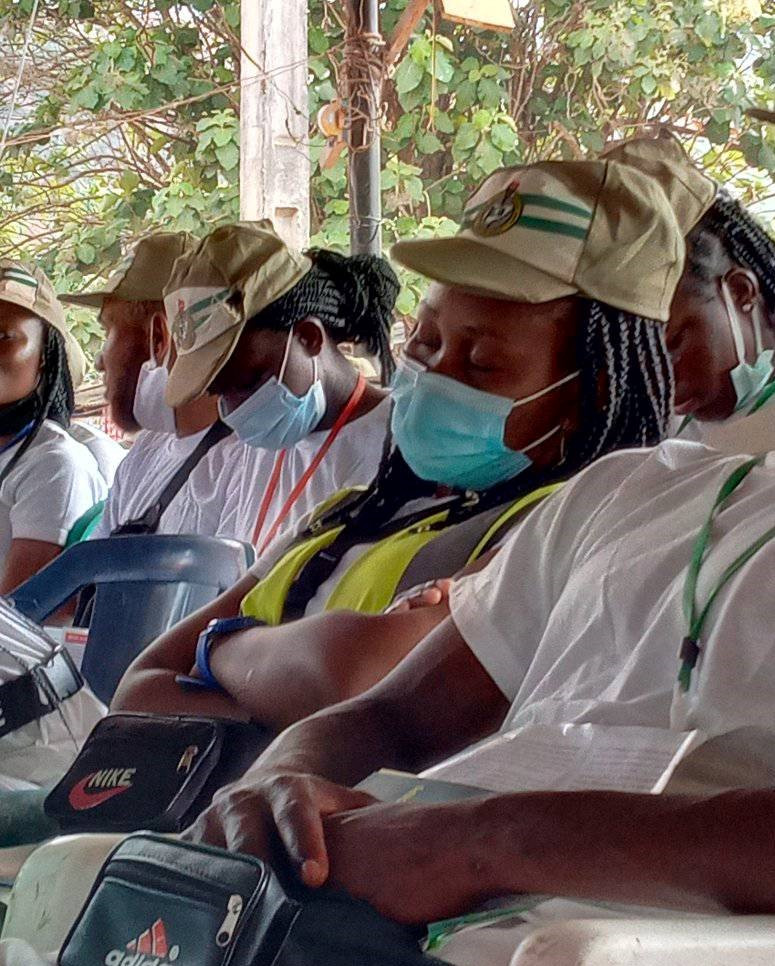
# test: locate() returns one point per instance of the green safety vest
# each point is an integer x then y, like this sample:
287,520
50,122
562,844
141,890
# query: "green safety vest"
369,584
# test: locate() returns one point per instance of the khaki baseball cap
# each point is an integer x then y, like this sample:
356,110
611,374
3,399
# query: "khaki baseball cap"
688,190
600,229
28,287
143,275
235,273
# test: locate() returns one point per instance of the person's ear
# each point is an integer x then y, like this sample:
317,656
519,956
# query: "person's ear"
160,337
310,334
743,285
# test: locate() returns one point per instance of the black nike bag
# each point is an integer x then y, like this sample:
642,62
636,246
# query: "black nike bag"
145,771
157,902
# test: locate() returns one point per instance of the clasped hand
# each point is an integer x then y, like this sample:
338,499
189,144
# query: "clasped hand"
414,863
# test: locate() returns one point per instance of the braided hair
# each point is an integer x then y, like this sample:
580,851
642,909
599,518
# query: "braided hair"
741,238
55,399
352,295
628,351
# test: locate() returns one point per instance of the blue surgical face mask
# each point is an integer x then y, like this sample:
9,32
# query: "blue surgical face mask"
273,417
450,433
747,378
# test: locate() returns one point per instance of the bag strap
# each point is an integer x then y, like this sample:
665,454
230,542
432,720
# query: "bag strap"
38,691
318,570
450,551
148,522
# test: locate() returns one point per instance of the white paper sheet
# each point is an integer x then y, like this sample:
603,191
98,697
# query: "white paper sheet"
564,757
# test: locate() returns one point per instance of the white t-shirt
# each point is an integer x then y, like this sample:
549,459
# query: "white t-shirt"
579,618
147,468
106,451
54,483
352,460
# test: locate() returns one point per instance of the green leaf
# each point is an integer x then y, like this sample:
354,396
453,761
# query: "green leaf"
405,127
408,75
489,157
443,122
503,137
85,253
648,84
318,42
491,94
466,137
228,156
428,143
223,136
444,70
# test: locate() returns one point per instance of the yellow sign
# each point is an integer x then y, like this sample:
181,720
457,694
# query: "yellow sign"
491,14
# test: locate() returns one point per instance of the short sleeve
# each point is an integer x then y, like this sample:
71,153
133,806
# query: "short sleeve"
51,489
503,610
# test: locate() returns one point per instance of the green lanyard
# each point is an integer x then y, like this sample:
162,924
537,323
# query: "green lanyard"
696,616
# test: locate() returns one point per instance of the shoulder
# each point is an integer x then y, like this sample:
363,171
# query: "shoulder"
55,445
57,464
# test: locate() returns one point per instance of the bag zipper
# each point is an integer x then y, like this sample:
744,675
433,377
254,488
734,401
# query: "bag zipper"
229,924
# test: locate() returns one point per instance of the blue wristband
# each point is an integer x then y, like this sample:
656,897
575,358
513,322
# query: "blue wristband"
214,630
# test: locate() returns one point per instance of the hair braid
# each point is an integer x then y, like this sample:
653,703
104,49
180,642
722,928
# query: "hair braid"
743,240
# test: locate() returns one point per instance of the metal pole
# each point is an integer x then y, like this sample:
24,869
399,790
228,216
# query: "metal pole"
364,141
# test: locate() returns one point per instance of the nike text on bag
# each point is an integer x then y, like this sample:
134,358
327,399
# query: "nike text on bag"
158,902
142,771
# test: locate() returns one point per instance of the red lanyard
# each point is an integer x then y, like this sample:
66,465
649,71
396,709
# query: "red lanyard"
342,419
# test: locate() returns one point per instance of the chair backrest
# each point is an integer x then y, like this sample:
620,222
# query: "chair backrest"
143,585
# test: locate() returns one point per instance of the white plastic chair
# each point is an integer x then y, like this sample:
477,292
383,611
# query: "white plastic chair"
691,941
52,887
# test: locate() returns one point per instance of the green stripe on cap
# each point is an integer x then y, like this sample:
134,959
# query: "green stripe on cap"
552,227
20,276
199,312
543,201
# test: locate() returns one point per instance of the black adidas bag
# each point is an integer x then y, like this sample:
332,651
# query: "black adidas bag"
157,902
144,771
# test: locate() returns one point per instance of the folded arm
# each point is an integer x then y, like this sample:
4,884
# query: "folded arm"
275,675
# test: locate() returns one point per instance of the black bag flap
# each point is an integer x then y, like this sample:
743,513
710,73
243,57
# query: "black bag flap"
158,901
135,769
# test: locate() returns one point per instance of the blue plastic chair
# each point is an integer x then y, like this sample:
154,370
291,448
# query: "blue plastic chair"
143,585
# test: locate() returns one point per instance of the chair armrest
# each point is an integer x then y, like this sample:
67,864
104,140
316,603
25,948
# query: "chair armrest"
679,941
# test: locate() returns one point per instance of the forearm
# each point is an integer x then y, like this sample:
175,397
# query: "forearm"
155,691
343,744
280,675
641,849
412,718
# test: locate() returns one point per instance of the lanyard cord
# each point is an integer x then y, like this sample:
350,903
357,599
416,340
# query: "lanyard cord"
19,436
696,616
341,421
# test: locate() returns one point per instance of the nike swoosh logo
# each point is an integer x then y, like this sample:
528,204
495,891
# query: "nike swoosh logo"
80,799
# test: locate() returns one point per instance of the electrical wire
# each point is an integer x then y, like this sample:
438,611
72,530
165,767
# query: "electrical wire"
19,74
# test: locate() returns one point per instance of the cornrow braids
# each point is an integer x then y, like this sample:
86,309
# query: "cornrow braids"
625,352
742,239
57,400
352,295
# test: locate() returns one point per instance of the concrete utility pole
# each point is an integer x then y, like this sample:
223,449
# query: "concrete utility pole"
274,127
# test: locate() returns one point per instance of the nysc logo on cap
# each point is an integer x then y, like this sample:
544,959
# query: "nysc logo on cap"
194,308
497,215
536,210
